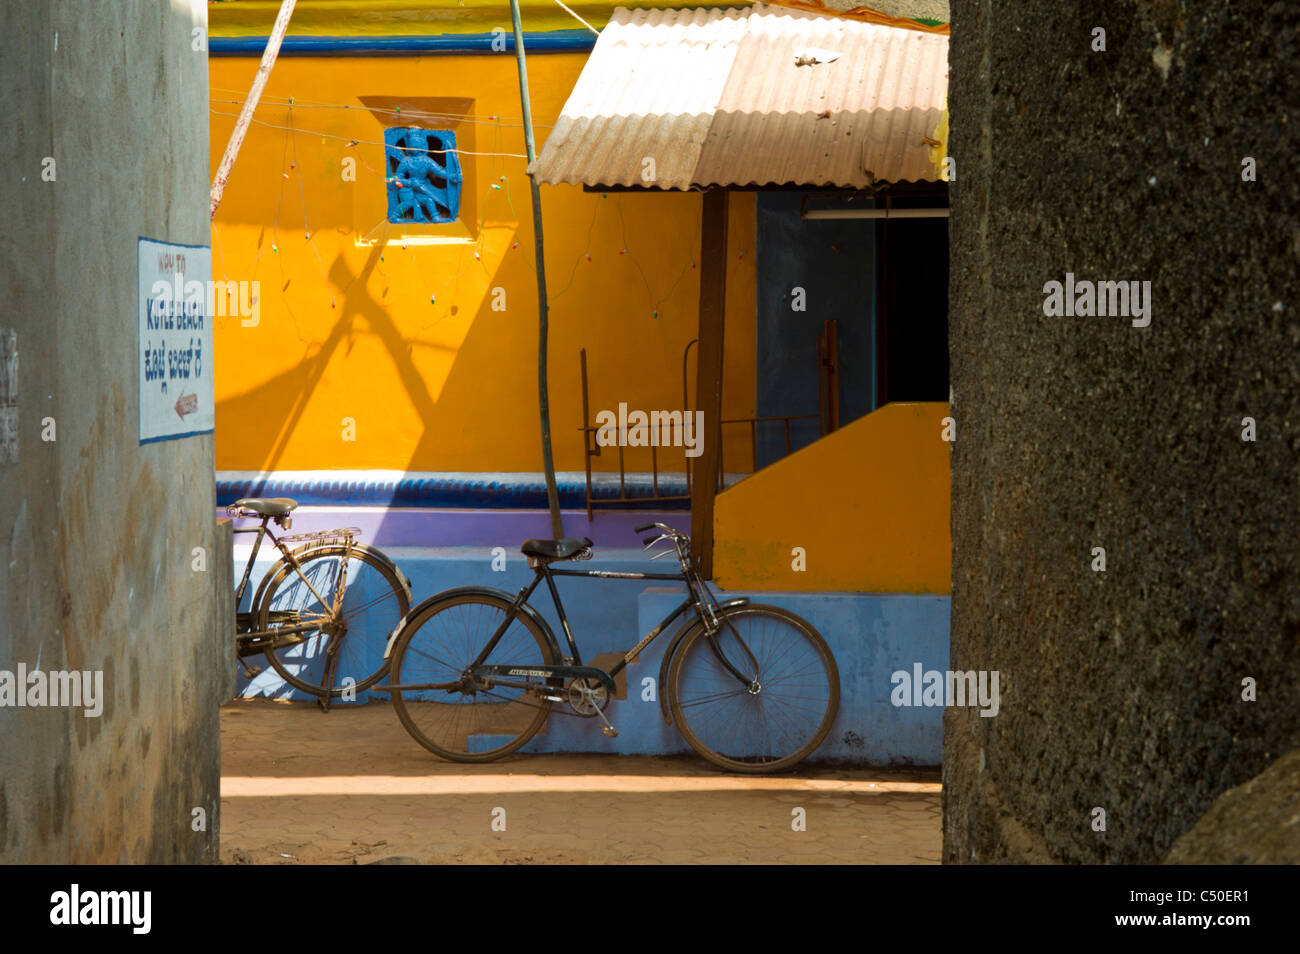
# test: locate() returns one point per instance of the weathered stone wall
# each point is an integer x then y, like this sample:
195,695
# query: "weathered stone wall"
97,531
1122,690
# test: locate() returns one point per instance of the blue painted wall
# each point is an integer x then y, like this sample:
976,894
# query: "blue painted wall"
834,262
871,635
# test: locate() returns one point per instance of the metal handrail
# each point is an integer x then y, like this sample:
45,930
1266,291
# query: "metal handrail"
592,448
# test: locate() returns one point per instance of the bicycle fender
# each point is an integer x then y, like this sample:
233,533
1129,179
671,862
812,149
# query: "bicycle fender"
299,552
458,591
387,561
672,650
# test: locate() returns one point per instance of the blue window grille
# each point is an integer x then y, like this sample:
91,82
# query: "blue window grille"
424,175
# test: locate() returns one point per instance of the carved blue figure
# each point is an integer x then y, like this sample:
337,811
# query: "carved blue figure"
424,175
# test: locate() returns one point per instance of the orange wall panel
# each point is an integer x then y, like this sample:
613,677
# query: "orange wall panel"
865,509
393,327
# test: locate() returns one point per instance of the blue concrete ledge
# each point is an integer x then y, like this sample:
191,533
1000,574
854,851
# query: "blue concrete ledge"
872,636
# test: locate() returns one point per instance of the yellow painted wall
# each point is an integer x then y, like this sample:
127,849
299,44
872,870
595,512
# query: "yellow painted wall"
402,338
888,476
422,17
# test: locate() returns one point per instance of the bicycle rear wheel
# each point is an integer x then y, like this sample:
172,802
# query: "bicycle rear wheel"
346,653
462,720
778,714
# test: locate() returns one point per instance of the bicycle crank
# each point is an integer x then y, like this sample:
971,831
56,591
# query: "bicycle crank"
588,698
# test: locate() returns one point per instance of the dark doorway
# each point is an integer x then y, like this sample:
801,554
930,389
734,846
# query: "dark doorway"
912,310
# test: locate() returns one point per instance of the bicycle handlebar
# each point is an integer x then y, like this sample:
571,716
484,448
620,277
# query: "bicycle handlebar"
681,542
664,533
661,527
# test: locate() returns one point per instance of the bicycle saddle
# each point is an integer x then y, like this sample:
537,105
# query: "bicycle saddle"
268,506
564,549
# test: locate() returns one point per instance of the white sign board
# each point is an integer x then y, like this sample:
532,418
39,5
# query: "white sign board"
175,342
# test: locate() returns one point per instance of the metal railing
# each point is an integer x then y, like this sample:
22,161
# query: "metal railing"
826,418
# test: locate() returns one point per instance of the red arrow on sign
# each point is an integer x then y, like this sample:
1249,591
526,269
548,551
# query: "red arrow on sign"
187,404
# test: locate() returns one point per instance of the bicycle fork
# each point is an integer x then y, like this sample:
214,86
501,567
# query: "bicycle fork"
250,671
713,621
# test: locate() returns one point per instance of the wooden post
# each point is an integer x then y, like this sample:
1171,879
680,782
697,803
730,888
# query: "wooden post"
884,308
830,349
250,106
708,391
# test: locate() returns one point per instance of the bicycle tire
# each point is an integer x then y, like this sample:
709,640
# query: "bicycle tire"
379,605
738,736
422,654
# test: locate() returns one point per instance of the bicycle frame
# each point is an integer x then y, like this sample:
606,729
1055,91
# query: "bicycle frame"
250,642
700,600
474,694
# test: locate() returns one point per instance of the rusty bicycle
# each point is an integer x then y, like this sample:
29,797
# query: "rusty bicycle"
323,612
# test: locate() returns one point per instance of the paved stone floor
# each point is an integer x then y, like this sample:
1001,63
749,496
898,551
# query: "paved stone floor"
300,786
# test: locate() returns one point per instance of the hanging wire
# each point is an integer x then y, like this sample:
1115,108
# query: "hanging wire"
368,142
296,103
578,18
498,156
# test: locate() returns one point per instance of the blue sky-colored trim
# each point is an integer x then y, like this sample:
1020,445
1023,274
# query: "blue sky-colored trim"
448,489
557,41
172,437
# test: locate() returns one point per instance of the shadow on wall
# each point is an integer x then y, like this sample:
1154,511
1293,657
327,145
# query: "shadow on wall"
285,397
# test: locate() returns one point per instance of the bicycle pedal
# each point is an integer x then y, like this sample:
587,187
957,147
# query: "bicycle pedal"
252,672
610,731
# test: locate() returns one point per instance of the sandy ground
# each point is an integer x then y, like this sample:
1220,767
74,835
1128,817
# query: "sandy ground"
300,786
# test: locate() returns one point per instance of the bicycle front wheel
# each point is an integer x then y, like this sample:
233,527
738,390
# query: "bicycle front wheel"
459,717
774,709
339,652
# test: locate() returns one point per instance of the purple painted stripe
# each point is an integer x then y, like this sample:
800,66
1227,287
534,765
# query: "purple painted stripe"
424,527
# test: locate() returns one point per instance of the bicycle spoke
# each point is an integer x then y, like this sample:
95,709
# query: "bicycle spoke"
471,723
788,711
329,660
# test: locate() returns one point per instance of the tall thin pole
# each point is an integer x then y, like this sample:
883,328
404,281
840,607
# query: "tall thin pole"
548,460
709,365
250,104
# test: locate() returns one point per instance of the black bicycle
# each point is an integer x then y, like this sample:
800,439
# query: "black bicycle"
474,671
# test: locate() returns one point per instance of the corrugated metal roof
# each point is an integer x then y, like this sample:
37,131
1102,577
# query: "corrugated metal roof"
649,89
863,117
716,99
